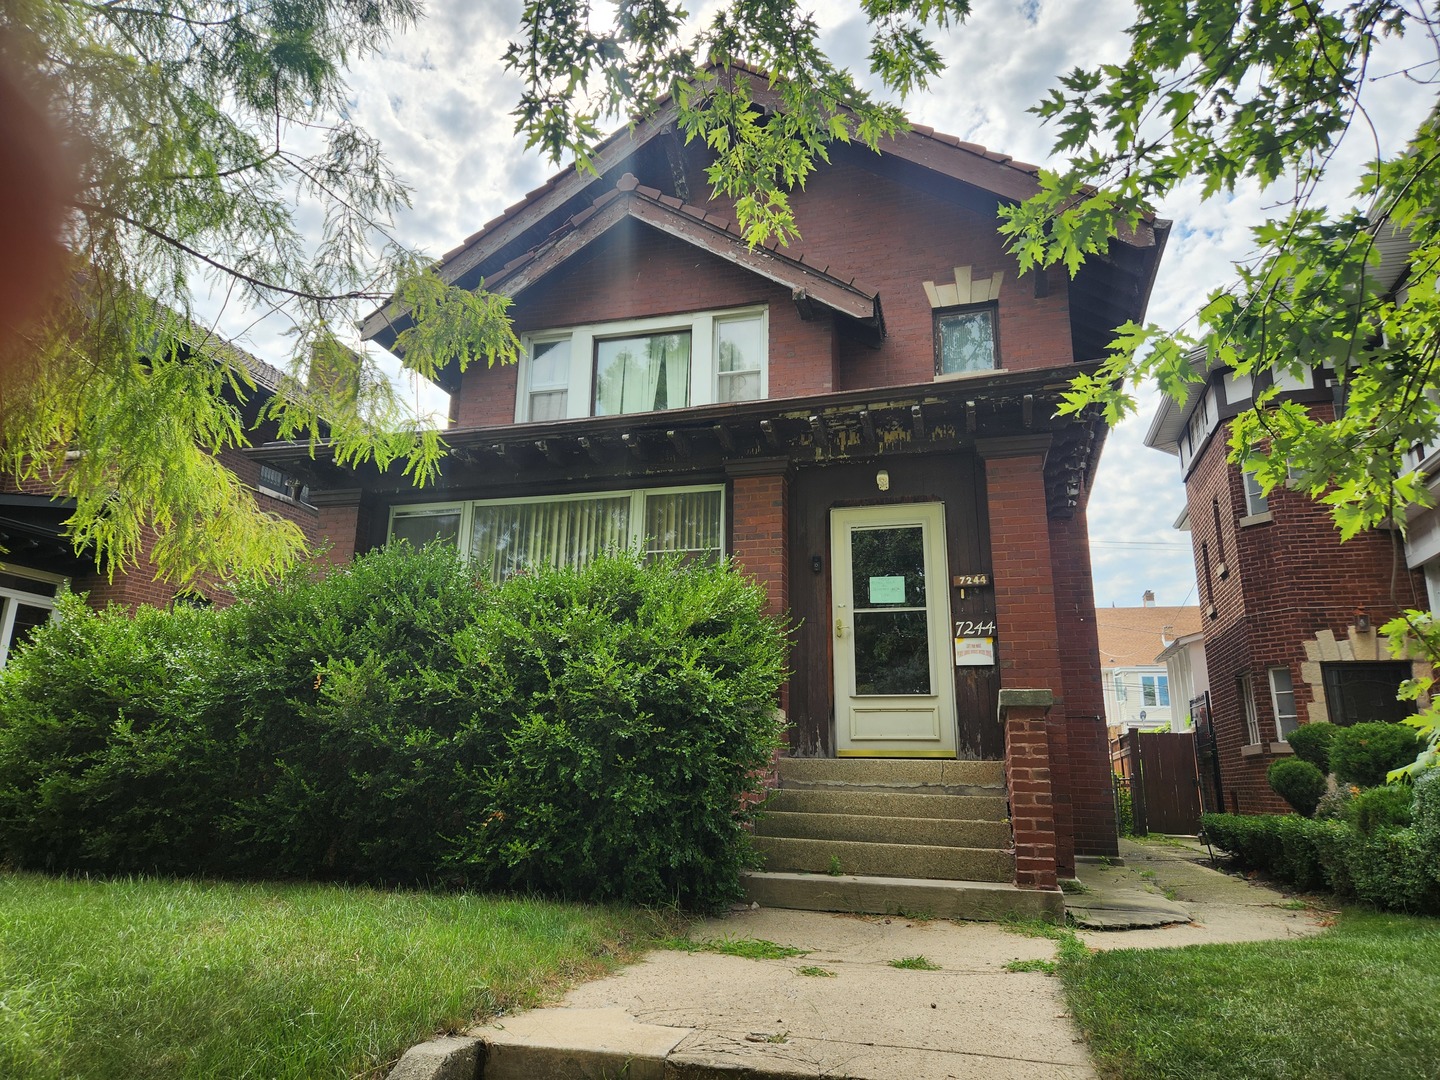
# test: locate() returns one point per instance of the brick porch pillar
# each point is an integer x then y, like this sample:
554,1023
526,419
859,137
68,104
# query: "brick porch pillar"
343,522
1027,631
1028,779
760,539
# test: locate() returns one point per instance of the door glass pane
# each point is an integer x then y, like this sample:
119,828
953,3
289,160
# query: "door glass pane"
892,643
892,652
888,567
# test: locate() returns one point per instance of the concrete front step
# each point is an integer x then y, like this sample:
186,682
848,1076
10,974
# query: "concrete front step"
983,901
888,804
940,832
886,860
925,777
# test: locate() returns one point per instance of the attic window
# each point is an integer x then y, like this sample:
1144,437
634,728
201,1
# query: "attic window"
965,340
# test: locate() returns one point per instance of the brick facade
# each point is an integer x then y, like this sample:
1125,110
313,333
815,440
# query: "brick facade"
1278,582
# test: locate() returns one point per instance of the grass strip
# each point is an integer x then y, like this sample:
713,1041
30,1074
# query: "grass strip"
184,979
1358,1001
745,948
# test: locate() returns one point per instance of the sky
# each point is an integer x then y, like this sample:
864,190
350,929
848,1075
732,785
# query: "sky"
439,100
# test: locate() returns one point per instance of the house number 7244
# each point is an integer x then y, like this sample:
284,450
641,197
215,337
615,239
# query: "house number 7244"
974,629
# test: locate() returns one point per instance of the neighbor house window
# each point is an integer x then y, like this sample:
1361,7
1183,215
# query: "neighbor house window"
1358,692
644,365
965,340
1255,500
281,485
1246,692
1155,690
1120,694
507,535
26,603
1282,698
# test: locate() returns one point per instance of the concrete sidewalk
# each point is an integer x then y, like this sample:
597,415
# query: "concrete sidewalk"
843,1010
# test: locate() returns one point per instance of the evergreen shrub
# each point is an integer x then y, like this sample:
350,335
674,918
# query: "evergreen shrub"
1299,783
595,733
1384,807
1311,742
109,757
1363,754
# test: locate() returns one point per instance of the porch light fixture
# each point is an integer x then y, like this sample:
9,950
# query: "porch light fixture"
1362,621
882,480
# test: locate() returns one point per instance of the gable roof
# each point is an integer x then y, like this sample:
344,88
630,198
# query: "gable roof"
567,195
1134,636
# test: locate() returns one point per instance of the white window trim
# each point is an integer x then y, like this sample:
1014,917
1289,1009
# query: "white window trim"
1246,687
637,510
11,598
1256,501
1275,701
704,362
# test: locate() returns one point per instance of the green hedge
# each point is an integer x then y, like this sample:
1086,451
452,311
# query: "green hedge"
1397,868
588,732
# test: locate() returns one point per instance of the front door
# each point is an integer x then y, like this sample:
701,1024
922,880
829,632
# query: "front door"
894,683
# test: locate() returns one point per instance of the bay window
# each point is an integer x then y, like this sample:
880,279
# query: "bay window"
644,365
507,535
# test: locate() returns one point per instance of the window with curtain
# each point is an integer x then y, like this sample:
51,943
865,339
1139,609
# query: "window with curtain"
569,530
645,373
740,358
549,379
566,532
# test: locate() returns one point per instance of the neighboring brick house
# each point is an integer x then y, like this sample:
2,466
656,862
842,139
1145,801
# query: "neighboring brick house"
1289,613
896,479
36,557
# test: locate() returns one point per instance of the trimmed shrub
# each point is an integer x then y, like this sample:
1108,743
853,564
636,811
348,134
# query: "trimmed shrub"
597,733
1311,742
107,756
1383,807
351,725
1425,812
1299,783
638,705
1389,869
1334,805
1364,753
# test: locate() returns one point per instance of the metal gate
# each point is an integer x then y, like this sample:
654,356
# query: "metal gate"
1164,787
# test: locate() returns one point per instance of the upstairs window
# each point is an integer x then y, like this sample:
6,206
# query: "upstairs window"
1155,690
965,340
1255,500
647,373
644,365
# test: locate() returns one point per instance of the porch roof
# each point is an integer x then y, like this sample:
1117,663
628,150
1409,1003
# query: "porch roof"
991,413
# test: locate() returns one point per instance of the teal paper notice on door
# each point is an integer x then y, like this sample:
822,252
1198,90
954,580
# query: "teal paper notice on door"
887,590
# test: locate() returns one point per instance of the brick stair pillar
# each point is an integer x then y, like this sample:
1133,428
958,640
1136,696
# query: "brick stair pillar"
1027,775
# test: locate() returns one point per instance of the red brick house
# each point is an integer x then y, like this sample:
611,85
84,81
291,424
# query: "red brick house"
864,421
1289,613
36,557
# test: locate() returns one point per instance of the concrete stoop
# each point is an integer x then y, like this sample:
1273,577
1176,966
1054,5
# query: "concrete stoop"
885,836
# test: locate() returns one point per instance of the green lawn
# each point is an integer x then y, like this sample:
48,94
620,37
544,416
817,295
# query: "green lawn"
160,979
1357,1002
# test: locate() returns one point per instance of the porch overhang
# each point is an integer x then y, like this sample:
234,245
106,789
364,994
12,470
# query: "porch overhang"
873,424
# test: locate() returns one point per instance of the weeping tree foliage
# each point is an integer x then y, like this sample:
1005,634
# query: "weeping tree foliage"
203,135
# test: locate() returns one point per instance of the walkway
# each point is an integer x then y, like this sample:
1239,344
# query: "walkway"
843,1009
